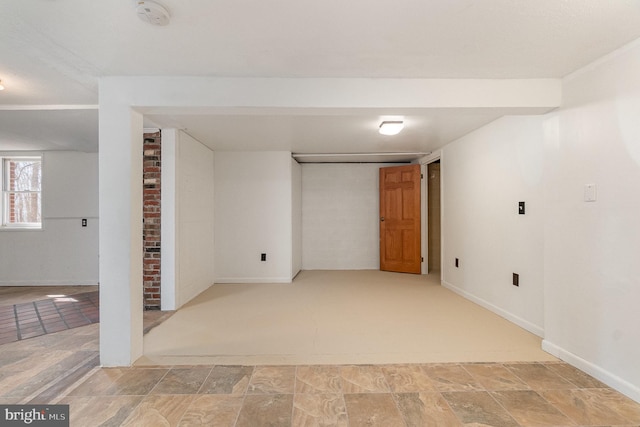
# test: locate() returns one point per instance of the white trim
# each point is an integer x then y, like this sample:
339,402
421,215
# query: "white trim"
250,280
424,221
4,179
443,218
431,157
424,161
64,282
525,324
595,371
168,213
48,107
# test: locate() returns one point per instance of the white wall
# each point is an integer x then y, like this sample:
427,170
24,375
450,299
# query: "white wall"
592,249
296,217
485,175
63,252
122,103
253,215
188,219
340,216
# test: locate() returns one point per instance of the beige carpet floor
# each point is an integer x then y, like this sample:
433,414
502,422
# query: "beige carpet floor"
337,317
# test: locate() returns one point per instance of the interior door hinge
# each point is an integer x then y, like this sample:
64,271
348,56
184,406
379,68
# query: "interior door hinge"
422,259
421,176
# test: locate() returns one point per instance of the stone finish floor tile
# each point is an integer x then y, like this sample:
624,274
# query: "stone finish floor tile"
363,379
538,376
373,410
426,409
104,411
34,383
136,381
165,410
530,409
66,381
182,381
480,408
10,295
62,368
495,377
36,318
12,400
407,378
98,383
319,409
272,379
574,375
318,379
38,361
9,357
273,410
227,380
212,410
29,375
595,406
451,377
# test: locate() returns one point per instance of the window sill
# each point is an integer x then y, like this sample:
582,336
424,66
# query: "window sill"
21,229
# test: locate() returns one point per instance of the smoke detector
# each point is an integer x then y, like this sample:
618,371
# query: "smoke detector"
152,12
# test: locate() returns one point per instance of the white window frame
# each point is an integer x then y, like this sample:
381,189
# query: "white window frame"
4,189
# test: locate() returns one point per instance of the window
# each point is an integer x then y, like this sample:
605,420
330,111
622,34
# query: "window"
21,188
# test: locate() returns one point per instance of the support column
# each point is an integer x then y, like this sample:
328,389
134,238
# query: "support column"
120,177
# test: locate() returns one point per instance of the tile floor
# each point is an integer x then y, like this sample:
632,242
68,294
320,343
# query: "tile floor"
54,314
63,367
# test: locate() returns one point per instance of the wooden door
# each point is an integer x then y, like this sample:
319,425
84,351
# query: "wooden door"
400,248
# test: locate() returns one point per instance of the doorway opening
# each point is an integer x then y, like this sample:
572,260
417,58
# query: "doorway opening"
400,217
433,218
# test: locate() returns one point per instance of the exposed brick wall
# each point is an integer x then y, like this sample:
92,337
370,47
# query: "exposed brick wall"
151,217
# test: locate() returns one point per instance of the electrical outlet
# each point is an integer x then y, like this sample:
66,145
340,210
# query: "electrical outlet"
84,222
263,257
590,193
516,279
521,208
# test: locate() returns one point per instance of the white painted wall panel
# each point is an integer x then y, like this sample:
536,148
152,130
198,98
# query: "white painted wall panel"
194,219
485,175
63,252
340,214
253,215
296,218
591,268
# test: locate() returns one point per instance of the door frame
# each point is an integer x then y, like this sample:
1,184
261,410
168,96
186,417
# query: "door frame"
424,161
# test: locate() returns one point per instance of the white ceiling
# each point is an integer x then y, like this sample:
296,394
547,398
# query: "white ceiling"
352,132
52,53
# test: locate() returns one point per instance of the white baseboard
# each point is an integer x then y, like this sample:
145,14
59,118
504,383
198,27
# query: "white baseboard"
613,381
224,280
49,283
525,324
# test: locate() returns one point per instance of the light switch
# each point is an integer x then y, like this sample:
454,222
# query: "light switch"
589,192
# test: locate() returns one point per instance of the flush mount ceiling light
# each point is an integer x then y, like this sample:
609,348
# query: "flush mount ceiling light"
152,12
391,127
